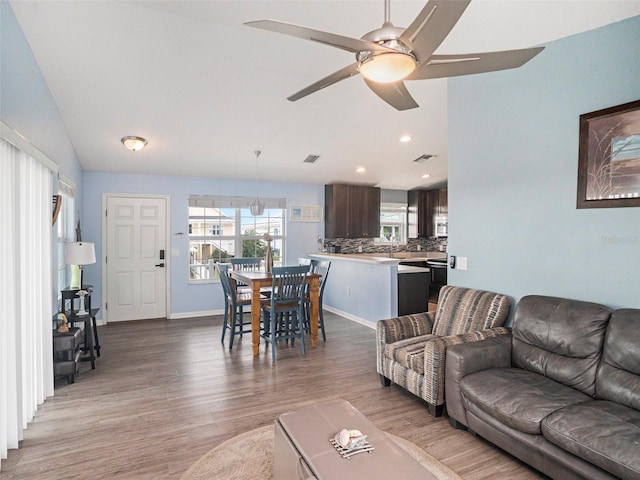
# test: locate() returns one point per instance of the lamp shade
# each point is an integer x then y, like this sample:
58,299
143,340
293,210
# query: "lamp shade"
79,253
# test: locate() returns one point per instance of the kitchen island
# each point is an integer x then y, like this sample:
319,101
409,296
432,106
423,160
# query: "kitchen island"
364,287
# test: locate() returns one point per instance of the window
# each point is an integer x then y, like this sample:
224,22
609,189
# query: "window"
393,223
65,233
221,228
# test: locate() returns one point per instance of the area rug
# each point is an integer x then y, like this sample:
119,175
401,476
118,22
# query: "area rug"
249,456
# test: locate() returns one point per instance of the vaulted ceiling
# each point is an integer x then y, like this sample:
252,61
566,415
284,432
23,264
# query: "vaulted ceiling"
207,91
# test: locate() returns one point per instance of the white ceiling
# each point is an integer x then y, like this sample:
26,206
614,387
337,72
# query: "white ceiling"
207,91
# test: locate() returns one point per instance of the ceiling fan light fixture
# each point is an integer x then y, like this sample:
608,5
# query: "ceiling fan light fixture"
386,67
134,143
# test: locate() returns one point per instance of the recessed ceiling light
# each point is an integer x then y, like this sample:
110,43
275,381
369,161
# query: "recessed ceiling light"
360,170
405,138
426,175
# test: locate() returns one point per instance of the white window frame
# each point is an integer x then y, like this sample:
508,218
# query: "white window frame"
385,209
64,233
240,206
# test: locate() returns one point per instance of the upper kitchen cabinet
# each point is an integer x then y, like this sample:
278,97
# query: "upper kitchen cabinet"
420,219
351,211
424,207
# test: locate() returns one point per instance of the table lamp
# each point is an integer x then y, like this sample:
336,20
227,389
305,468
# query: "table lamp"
79,253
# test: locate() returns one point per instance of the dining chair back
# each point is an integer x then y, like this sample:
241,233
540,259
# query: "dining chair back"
321,267
246,263
234,303
283,313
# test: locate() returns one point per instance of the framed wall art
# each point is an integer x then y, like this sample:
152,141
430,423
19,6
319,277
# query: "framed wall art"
609,157
306,213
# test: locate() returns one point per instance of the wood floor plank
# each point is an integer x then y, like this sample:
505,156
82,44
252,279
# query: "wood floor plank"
165,392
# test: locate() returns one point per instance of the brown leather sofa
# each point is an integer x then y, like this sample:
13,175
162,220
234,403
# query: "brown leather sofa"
561,392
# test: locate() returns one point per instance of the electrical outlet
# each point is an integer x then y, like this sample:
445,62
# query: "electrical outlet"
359,248
462,263
419,248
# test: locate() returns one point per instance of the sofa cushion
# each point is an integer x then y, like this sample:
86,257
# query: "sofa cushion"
517,398
618,376
462,310
408,352
604,433
560,338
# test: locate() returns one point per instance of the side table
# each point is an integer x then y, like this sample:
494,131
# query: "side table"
91,341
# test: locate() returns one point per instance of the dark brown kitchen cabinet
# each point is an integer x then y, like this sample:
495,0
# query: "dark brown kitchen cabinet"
351,211
420,218
424,206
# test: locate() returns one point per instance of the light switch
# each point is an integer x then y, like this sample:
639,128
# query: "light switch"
175,252
461,263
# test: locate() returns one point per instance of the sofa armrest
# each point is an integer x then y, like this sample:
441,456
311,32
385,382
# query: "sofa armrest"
435,359
468,358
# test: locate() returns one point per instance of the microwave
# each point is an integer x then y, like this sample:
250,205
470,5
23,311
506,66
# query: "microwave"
442,225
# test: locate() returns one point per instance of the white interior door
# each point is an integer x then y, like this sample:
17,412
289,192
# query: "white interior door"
136,258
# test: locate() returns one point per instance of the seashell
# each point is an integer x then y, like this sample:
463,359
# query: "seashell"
345,438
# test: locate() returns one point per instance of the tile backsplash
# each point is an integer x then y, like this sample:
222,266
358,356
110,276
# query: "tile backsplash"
352,245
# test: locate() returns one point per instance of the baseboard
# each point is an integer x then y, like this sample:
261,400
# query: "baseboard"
353,318
205,313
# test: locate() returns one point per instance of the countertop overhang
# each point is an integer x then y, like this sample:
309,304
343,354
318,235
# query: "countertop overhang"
380,258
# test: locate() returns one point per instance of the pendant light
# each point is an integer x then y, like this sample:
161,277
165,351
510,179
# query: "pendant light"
257,207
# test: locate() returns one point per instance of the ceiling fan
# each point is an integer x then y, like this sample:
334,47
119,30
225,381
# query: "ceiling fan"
387,56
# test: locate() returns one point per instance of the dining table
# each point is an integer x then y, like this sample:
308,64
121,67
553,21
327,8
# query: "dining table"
259,279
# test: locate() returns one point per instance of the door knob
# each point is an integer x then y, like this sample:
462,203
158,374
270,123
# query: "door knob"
160,265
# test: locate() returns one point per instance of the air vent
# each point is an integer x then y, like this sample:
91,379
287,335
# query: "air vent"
311,158
423,158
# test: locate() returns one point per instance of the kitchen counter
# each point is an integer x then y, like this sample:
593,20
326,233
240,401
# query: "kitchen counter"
364,286
381,257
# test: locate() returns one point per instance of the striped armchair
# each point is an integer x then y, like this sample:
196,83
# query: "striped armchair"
411,349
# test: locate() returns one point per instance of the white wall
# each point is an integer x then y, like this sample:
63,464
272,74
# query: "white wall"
513,159
185,298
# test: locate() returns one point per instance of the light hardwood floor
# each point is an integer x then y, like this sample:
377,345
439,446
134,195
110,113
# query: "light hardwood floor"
165,392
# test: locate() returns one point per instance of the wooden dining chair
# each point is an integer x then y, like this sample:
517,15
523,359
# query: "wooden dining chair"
245,263
234,303
321,267
283,313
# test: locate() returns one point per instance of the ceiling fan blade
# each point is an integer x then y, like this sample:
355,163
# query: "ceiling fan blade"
395,94
343,73
440,66
349,44
432,25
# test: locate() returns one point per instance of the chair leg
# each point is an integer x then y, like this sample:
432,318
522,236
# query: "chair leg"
226,319
273,336
321,324
300,327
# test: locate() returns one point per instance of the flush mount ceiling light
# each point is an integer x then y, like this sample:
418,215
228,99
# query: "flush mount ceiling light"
134,143
360,170
405,138
426,175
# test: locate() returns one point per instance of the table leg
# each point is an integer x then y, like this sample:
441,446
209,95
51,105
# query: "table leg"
96,341
315,301
88,338
255,317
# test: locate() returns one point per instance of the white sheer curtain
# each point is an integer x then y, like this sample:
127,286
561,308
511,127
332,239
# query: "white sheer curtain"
26,358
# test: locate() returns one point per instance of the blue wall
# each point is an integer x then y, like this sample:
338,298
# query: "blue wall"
513,159
185,298
26,105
